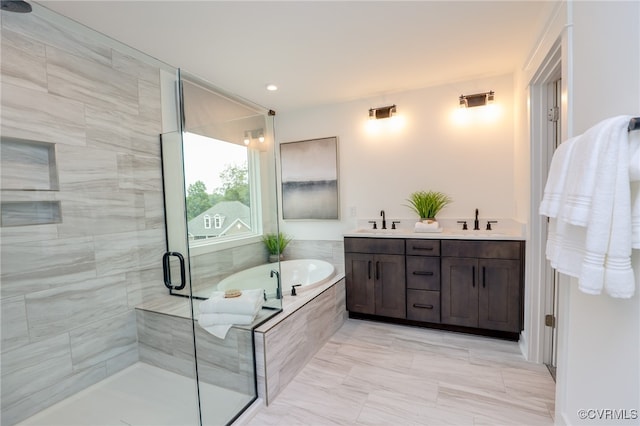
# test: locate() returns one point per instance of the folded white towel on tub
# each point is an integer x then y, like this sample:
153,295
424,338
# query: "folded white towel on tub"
248,303
219,324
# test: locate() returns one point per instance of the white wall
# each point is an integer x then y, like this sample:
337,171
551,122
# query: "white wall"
599,349
472,163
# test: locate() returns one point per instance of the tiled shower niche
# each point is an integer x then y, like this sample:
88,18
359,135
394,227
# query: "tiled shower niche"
27,165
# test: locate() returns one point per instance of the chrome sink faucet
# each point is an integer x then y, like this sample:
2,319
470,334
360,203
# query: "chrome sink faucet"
476,222
384,219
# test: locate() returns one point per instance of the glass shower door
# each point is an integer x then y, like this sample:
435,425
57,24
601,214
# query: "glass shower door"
219,175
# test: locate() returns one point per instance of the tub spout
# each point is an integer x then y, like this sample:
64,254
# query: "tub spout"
278,288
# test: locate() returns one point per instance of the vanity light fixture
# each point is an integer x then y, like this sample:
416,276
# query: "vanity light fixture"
477,99
382,112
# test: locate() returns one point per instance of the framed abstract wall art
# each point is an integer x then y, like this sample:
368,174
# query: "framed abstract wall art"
309,176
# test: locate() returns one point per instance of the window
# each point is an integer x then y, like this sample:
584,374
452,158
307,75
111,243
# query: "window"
220,178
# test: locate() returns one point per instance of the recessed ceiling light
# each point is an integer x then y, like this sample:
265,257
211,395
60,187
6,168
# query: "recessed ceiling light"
272,87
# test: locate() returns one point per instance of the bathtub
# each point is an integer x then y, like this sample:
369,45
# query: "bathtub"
309,273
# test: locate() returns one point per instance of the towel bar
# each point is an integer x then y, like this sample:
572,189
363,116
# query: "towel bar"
634,124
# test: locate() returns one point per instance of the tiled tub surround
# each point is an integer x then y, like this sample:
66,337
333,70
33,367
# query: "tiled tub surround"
285,343
69,289
166,341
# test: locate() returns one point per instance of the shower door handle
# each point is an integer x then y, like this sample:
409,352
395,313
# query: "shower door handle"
166,270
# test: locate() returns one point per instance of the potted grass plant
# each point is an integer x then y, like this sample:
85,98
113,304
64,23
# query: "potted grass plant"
427,204
276,243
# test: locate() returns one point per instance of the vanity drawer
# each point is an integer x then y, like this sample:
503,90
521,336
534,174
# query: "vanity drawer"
423,305
374,245
423,247
482,249
423,273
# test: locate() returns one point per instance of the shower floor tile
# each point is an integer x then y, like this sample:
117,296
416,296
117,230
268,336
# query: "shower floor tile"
142,395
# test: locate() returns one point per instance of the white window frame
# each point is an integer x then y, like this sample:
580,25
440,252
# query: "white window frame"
207,221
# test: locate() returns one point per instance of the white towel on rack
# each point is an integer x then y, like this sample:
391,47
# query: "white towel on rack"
634,177
590,232
553,191
586,168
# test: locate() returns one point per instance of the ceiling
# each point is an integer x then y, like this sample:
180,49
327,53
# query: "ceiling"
322,52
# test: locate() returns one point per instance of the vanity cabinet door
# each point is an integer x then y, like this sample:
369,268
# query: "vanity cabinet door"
499,294
390,291
459,291
360,284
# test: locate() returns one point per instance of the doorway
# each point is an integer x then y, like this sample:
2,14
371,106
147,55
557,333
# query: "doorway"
554,95
546,106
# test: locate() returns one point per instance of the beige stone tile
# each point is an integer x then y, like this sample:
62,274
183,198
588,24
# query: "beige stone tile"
32,367
23,62
419,388
14,323
87,169
91,82
103,340
139,172
491,407
527,383
390,408
339,404
135,67
47,269
454,371
35,115
72,306
73,39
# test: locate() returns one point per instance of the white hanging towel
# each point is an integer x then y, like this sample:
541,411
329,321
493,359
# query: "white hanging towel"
588,200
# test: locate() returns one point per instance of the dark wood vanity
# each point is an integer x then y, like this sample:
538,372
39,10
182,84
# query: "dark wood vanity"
474,286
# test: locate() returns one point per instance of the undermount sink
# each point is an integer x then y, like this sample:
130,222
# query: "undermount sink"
478,233
379,231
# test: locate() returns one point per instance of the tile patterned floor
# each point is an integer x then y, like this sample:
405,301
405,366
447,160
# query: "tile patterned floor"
372,373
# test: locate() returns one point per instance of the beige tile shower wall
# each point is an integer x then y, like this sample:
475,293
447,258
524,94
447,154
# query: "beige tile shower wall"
68,289
283,350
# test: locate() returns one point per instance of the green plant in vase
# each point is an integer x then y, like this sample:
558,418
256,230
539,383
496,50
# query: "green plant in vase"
275,243
427,204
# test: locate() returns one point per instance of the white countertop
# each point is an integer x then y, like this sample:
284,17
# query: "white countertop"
505,229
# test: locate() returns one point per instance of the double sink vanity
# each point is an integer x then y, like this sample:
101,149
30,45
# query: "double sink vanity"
460,280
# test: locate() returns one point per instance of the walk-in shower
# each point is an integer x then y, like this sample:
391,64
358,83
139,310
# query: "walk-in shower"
90,332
